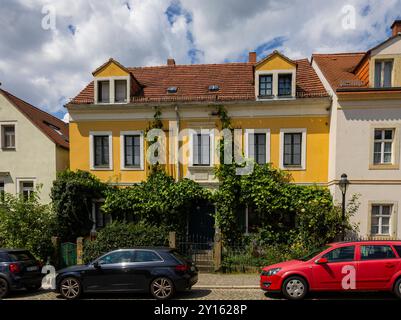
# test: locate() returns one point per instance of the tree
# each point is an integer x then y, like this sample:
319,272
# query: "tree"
26,223
73,194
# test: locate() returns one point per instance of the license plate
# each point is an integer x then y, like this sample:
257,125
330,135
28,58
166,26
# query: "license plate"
35,268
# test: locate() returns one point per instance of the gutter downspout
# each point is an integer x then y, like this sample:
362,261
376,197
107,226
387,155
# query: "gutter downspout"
177,115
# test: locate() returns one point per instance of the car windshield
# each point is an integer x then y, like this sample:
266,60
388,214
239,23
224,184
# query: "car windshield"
313,253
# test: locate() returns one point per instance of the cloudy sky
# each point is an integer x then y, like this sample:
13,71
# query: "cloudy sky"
48,49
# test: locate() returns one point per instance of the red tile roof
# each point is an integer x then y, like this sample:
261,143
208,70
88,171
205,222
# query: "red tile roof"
338,68
47,123
235,80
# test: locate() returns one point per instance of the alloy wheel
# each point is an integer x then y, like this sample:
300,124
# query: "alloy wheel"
70,288
295,288
3,288
162,288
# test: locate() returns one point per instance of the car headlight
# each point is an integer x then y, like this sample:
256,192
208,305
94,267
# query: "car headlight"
270,272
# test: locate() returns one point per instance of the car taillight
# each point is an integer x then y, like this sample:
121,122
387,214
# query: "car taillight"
182,267
14,268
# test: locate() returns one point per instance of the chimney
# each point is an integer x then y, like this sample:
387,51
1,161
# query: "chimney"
396,27
171,62
252,57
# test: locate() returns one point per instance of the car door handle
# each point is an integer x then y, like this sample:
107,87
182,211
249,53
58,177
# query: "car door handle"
390,265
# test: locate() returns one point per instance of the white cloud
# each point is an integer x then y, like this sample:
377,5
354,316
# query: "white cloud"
48,67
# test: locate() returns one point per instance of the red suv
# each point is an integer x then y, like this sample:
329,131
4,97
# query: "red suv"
343,266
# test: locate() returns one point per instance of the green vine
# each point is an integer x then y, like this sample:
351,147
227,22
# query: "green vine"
155,124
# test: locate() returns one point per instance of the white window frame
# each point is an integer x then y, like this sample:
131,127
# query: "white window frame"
381,216
92,134
122,150
382,142
275,74
247,139
6,124
20,181
112,81
211,134
303,148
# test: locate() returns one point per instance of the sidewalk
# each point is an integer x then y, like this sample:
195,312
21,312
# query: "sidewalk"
227,281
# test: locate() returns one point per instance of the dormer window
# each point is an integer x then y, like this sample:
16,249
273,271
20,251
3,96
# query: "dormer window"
285,85
103,91
383,73
172,90
266,85
120,87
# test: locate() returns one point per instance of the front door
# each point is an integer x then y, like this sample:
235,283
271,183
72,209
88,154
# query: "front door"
377,265
329,276
201,221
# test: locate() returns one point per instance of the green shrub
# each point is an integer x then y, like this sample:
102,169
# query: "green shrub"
28,224
160,201
72,194
124,235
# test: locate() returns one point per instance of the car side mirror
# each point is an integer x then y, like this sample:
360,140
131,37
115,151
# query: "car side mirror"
321,261
96,265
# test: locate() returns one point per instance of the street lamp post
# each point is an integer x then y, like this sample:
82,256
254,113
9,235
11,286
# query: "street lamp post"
343,184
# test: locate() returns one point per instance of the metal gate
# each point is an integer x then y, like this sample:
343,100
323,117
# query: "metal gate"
68,254
199,249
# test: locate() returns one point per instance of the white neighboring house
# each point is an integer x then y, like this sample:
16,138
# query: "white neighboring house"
365,131
33,147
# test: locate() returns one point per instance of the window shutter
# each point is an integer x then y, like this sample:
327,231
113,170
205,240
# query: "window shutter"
251,145
205,149
388,66
394,220
378,74
195,150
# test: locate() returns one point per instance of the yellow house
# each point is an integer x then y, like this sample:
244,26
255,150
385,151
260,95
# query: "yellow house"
278,106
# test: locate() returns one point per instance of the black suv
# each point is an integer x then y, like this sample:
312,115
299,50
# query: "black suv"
18,270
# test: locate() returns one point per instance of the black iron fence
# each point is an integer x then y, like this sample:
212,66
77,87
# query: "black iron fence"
199,249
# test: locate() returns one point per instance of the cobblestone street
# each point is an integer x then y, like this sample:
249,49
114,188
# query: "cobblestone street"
205,294
211,286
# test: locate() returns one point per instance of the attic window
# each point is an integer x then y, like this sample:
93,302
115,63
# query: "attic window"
120,88
57,129
103,91
172,90
214,87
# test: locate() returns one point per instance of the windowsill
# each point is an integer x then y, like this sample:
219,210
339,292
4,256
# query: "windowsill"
261,98
384,236
9,149
384,166
200,167
101,169
293,168
132,169
285,97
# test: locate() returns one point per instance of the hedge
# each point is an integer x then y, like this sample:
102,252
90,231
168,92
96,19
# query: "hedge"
124,235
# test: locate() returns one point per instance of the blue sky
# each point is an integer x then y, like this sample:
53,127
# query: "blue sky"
47,67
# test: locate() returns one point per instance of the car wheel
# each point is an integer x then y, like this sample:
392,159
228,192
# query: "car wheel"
4,289
162,288
295,288
70,288
397,288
